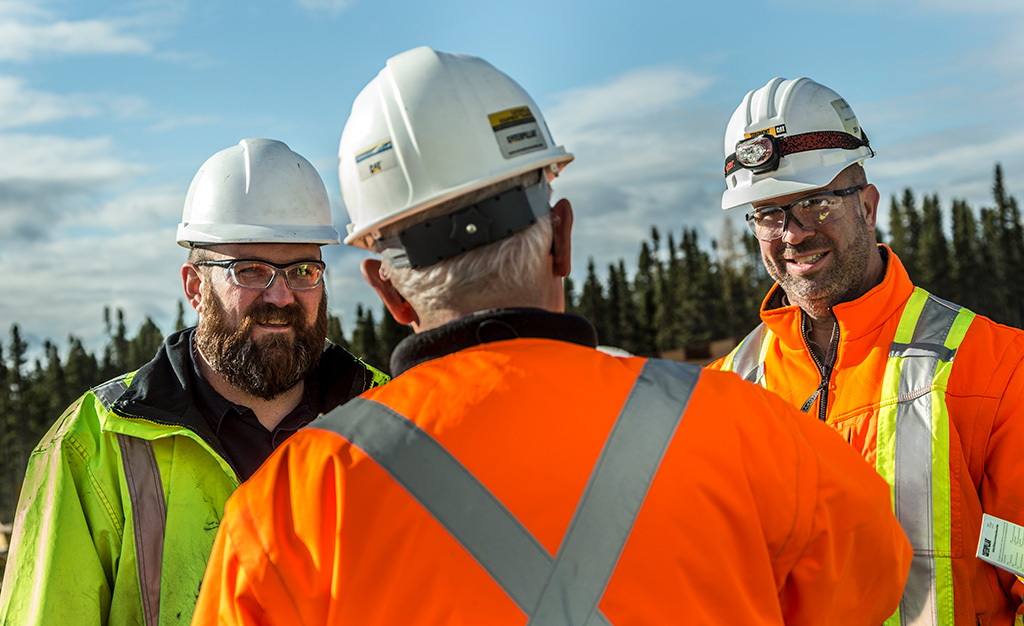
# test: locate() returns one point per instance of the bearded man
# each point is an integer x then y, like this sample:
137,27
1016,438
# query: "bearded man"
124,495
930,394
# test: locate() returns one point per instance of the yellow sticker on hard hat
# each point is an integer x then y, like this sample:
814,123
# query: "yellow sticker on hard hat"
517,131
848,117
376,159
774,131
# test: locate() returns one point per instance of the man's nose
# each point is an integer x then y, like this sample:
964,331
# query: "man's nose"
278,292
795,233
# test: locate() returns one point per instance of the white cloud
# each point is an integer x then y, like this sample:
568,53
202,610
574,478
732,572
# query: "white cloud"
188,121
63,285
630,97
959,7
20,106
45,180
331,7
27,32
646,147
60,160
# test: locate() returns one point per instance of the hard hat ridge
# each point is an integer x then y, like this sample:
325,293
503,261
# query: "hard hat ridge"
789,136
258,191
432,127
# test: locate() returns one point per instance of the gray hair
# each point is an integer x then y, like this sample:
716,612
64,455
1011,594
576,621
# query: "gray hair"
502,271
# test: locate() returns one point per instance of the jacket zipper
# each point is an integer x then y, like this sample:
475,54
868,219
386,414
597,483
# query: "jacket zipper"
824,369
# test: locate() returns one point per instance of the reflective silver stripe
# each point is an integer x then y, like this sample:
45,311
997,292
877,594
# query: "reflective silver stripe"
567,589
149,514
747,360
110,391
615,492
453,496
913,452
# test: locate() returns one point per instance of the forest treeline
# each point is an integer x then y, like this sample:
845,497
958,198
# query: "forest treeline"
681,294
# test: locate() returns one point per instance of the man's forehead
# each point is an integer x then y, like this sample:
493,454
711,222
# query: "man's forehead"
280,252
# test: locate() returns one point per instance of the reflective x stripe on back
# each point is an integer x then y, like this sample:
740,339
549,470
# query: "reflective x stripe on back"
913,450
565,589
149,509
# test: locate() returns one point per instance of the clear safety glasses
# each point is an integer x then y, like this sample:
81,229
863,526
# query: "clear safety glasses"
769,223
254,274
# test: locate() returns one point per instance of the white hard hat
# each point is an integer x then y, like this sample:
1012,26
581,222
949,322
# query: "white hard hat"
433,126
786,137
256,192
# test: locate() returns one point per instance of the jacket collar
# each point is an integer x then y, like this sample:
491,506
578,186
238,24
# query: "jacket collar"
487,326
856,318
162,390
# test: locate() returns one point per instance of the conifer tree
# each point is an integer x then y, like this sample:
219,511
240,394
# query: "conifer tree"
618,314
904,226
592,303
569,287
1010,252
81,371
389,333
144,345
965,269
645,304
667,321
334,332
365,343
700,304
993,291
179,321
933,258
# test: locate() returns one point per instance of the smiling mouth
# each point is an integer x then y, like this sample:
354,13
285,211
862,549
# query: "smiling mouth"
810,259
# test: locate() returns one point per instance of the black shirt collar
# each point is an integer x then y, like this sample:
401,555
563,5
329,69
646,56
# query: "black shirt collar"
488,326
246,441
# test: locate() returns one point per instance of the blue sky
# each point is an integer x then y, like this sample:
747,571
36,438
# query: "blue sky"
108,108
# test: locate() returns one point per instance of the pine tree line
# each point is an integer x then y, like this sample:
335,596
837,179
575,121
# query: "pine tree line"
682,295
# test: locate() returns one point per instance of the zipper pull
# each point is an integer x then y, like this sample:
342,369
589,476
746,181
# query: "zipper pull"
810,401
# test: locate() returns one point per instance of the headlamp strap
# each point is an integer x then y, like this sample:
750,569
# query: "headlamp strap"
449,235
792,144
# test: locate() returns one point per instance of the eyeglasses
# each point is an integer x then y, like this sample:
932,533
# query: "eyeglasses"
769,223
261,274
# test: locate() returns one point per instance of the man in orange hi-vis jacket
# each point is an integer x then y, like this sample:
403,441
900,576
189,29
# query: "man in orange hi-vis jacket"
929,393
511,472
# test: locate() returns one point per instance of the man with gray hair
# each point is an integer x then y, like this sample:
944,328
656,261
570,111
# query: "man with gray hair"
512,472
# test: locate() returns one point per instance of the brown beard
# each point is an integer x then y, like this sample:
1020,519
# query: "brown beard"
269,367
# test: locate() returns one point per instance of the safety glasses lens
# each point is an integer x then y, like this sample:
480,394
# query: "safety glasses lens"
258,275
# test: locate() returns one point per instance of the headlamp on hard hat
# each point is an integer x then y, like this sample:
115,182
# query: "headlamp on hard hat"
758,154
762,153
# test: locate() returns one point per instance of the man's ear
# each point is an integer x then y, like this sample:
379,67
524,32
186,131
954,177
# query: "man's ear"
869,198
561,244
192,284
398,306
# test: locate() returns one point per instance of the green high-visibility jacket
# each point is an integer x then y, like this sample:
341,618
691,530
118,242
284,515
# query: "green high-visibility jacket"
124,495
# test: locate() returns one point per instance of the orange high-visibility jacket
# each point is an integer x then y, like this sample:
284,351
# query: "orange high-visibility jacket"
973,406
756,515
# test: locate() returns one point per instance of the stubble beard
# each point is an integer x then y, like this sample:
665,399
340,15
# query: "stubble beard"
840,282
267,367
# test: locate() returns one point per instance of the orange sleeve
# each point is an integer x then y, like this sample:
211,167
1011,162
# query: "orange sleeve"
993,360
850,564
244,583
1000,492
